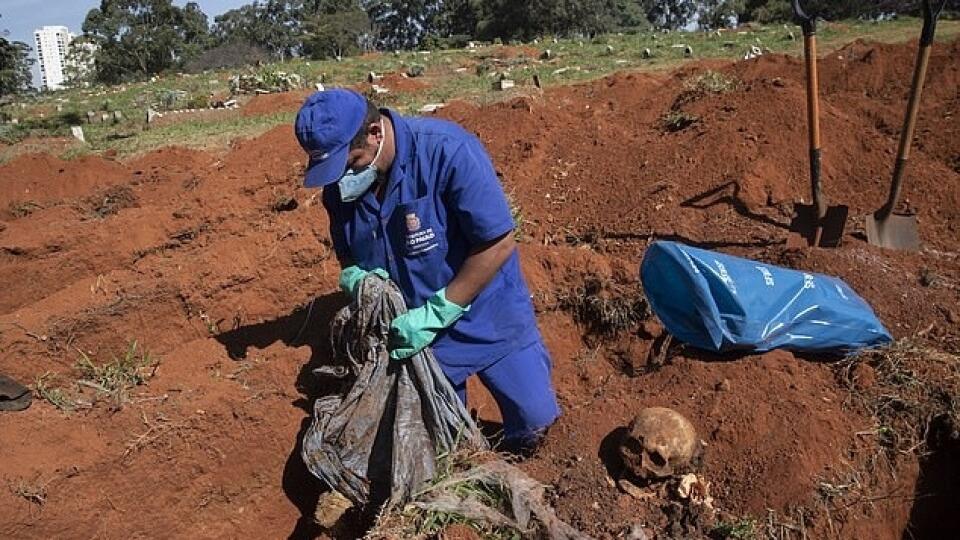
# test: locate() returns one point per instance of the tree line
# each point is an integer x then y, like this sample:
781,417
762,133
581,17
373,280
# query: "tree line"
130,39
15,65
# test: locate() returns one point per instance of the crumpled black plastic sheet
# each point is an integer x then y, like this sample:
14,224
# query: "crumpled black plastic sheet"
380,441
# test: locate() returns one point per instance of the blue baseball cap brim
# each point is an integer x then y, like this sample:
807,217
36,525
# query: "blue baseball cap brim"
328,170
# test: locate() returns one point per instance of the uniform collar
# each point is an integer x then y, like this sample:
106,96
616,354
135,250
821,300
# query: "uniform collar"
403,141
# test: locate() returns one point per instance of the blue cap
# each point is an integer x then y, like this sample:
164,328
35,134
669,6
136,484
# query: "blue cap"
325,126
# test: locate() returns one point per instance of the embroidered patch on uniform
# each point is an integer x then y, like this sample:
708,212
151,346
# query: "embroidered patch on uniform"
413,223
419,240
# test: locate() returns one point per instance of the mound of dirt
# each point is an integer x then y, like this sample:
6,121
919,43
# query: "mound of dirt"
398,83
395,83
192,256
263,104
42,178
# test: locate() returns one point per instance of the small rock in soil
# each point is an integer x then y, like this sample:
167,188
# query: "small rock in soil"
864,376
651,329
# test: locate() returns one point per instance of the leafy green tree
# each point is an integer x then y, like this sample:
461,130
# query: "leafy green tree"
332,35
719,13
503,19
143,37
562,17
194,30
401,25
15,65
309,8
525,20
274,25
670,14
630,14
243,24
779,10
456,18
79,68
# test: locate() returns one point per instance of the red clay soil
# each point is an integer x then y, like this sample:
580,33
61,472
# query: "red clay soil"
275,103
43,178
395,83
232,292
398,83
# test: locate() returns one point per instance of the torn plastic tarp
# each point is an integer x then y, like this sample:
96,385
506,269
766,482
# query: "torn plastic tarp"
380,441
721,303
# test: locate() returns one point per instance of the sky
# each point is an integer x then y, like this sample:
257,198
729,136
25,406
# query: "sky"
22,17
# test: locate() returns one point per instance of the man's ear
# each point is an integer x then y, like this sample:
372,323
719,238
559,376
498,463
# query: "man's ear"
376,130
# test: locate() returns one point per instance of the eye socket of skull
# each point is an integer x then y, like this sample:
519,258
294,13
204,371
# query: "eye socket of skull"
631,446
657,460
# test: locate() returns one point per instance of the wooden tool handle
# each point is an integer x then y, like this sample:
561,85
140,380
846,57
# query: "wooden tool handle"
930,14
809,25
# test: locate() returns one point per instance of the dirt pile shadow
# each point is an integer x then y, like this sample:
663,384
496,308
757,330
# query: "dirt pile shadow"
937,495
307,325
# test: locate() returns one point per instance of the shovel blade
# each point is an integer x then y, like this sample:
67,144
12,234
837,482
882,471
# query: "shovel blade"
807,230
895,231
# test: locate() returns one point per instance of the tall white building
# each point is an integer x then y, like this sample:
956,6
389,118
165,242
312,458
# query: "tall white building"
51,46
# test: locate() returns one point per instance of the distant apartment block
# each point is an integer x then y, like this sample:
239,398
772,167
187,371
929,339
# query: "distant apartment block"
51,46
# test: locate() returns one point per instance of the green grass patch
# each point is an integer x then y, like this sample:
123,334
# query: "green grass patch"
678,120
116,377
204,134
741,529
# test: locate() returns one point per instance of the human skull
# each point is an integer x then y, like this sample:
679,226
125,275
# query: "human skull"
659,443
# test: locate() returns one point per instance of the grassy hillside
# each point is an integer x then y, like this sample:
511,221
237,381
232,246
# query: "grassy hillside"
460,73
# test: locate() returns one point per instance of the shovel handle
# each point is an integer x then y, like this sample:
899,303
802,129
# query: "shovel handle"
809,25
807,22
931,11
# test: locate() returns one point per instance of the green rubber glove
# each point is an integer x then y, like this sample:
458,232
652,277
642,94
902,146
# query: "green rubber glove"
351,276
411,332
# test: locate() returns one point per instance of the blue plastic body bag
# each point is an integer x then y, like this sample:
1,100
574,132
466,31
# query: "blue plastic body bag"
723,303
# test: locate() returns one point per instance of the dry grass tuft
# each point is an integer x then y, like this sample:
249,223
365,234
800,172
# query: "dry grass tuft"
604,307
675,120
46,389
34,492
911,391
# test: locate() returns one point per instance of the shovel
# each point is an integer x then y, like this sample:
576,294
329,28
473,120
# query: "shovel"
814,224
886,228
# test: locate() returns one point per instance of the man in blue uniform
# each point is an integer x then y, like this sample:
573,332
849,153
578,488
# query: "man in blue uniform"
418,200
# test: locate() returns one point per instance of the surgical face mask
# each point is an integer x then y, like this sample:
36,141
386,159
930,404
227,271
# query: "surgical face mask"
353,184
